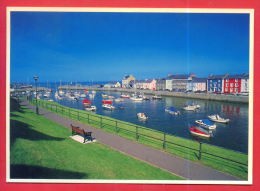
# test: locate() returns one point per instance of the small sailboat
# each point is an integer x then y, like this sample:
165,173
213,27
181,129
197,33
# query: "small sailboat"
206,124
217,118
135,98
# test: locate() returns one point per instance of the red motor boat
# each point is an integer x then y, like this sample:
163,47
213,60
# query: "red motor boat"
199,132
107,101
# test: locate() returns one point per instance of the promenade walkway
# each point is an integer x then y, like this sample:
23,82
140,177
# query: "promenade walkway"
163,160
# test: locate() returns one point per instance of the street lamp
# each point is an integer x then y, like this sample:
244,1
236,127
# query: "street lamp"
36,78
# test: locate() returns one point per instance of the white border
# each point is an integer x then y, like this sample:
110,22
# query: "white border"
133,10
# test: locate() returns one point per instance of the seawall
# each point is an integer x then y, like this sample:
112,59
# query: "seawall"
204,96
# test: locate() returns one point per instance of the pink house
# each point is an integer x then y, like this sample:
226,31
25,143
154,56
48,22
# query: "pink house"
151,84
145,84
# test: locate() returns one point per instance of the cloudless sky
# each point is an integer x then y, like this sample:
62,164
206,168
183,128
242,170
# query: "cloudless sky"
106,46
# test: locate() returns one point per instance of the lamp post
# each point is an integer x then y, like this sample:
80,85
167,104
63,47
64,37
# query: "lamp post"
36,78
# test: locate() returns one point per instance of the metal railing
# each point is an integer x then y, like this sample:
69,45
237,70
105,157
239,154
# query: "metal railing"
132,129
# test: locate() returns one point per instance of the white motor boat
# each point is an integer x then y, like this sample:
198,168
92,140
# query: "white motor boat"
191,107
157,97
91,108
142,116
217,118
108,106
125,96
119,100
136,98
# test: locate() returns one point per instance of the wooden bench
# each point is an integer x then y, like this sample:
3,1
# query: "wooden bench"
78,131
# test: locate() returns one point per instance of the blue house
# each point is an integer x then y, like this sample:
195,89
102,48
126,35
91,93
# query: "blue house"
215,83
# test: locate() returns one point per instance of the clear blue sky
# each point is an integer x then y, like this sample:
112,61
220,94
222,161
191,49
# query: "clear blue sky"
106,46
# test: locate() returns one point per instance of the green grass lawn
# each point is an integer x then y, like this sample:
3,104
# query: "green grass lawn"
128,131
42,149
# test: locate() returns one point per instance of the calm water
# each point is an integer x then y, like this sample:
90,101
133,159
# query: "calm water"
233,135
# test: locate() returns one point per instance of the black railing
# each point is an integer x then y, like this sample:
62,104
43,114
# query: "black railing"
134,129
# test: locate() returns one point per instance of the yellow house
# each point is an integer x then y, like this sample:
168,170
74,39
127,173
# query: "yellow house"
128,81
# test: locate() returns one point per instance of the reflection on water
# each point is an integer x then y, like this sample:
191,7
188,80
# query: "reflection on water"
233,135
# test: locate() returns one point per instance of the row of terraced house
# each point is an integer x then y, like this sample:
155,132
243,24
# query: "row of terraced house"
227,83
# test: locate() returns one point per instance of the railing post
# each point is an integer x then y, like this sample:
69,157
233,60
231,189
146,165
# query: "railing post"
200,150
116,127
100,122
137,136
164,140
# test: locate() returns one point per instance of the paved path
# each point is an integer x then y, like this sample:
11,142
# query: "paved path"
163,160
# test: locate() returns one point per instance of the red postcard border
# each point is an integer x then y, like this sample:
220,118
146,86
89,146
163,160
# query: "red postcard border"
241,4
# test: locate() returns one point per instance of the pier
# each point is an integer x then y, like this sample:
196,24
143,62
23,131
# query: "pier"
203,96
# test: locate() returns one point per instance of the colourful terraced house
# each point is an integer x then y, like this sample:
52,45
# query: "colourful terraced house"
237,83
215,83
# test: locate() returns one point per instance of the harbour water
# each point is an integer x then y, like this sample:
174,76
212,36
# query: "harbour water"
233,135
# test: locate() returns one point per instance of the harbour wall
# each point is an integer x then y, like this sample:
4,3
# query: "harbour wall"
204,96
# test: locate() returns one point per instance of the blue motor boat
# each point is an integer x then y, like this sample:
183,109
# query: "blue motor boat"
172,110
206,123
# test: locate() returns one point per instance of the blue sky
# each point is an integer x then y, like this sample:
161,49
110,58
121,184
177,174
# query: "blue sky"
106,46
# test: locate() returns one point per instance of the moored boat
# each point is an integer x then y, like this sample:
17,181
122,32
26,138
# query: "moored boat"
217,118
119,100
107,101
172,110
157,97
86,102
125,96
91,108
142,116
191,107
206,124
108,106
197,131
136,98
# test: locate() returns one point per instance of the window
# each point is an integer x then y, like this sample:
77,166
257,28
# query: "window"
236,80
236,89
226,89
231,89
226,85
218,80
236,84
231,85
226,80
